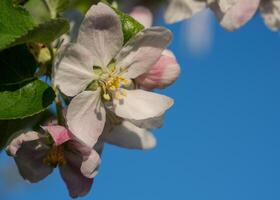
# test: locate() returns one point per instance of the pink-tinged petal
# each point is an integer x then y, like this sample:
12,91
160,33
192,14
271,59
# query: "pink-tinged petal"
140,105
270,11
128,135
73,69
142,51
90,164
183,9
86,117
90,158
162,74
30,161
235,14
101,33
78,185
142,15
59,134
16,143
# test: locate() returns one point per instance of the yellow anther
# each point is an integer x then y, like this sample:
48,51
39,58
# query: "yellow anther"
126,82
113,88
124,93
118,95
106,97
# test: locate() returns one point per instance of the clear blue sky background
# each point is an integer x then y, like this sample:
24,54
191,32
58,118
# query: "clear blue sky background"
221,140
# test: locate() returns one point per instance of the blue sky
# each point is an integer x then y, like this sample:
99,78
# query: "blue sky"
220,141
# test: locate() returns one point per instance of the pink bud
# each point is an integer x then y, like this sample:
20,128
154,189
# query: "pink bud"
162,74
142,15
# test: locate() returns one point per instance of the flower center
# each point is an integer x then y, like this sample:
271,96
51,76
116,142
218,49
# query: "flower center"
113,85
55,157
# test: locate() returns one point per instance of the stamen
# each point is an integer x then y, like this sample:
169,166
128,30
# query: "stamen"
113,85
55,157
106,97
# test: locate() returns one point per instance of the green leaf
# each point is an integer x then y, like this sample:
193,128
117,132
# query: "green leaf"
18,27
130,26
14,22
24,100
44,33
57,6
43,10
39,10
17,65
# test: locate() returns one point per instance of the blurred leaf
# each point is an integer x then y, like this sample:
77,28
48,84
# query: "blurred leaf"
14,22
17,65
130,26
57,6
24,100
44,33
39,10
43,10
82,6
18,27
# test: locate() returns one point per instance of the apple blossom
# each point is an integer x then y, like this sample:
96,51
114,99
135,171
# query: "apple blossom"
98,71
270,11
37,154
166,70
232,14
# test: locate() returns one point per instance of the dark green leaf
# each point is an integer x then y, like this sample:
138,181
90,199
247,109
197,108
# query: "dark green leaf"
130,26
44,10
14,22
17,65
44,33
24,100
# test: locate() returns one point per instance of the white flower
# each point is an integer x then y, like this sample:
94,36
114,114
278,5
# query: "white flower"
232,14
98,72
166,71
270,10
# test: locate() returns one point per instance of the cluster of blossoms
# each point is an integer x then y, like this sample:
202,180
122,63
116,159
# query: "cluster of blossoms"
109,84
232,14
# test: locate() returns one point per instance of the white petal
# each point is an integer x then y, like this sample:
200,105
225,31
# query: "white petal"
74,69
182,9
90,164
101,34
270,10
142,15
16,143
151,123
86,117
128,135
140,105
232,14
78,185
142,51
30,161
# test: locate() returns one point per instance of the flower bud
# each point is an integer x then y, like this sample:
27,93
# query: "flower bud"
162,74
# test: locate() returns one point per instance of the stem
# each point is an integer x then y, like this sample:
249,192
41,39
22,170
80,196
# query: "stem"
59,110
58,104
52,59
